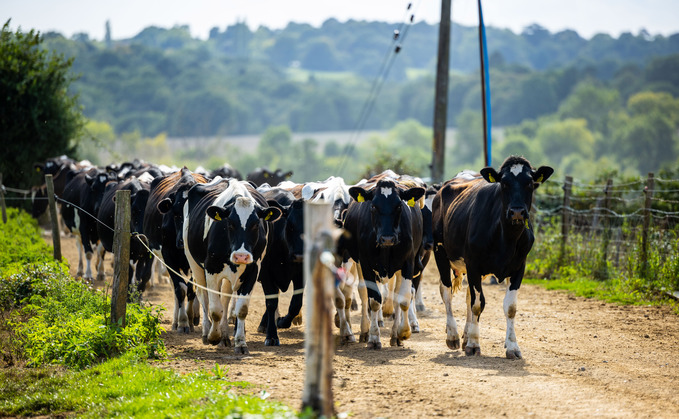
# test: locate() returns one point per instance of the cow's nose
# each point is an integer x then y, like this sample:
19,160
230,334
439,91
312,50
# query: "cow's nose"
387,241
241,258
517,215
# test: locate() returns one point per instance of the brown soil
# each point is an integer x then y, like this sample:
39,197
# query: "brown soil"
582,358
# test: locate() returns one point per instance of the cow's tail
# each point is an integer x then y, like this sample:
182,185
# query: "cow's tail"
459,270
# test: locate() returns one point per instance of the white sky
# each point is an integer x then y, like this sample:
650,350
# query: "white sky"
129,17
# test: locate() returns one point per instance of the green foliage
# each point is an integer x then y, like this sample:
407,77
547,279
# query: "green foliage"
20,242
61,321
51,318
126,387
38,118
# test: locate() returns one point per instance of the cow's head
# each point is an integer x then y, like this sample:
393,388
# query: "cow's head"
387,202
172,209
517,180
242,219
97,184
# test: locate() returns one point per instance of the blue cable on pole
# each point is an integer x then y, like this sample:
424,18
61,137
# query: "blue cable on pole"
485,88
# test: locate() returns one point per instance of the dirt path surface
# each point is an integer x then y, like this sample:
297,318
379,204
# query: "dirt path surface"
582,358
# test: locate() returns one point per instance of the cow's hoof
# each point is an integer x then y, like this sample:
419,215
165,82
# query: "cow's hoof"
184,329
363,337
472,351
261,329
297,321
415,328
241,350
375,345
272,342
337,320
196,320
348,339
79,274
205,341
420,308
515,354
101,277
453,344
174,326
191,329
284,323
380,323
225,343
354,305
232,320
396,341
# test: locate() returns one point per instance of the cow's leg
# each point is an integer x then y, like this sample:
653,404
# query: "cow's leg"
271,303
192,306
217,305
365,309
404,283
294,315
446,290
241,309
346,335
388,305
88,264
201,295
510,305
412,315
375,304
475,304
81,252
419,301
101,256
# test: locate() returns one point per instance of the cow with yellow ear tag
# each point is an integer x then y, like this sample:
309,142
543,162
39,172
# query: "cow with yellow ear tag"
482,226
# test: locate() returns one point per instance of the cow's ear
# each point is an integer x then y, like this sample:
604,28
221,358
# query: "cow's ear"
288,175
216,213
271,214
490,174
542,174
165,206
284,210
411,195
360,195
89,179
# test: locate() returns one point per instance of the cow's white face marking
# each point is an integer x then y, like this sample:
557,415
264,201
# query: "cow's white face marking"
244,208
386,191
516,169
429,202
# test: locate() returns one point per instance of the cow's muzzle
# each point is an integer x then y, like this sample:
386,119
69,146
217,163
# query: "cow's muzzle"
517,216
387,241
241,258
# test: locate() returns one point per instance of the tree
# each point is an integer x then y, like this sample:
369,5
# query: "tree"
38,118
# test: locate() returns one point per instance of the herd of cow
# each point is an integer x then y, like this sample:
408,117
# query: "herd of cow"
227,234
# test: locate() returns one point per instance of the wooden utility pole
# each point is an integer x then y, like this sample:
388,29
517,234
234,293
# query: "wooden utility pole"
121,257
318,339
441,96
56,239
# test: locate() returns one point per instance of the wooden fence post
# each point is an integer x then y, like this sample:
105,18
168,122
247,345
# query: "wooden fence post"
121,260
318,337
565,215
648,190
2,201
56,236
606,225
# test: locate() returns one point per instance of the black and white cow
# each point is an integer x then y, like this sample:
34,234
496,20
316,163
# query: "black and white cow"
62,169
81,200
483,227
226,171
140,258
262,175
163,226
283,263
384,234
227,228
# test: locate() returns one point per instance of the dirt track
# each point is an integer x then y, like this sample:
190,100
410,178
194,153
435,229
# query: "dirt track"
581,358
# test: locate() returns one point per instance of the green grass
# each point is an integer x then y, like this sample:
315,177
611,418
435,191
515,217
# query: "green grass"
612,290
125,387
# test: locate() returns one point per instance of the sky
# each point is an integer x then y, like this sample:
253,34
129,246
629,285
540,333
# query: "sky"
129,17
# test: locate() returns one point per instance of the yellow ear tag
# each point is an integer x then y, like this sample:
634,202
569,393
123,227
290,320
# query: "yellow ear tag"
360,198
491,178
217,217
37,170
527,226
411,202
540,179
268,215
